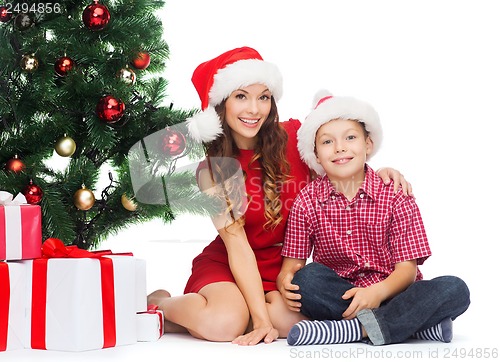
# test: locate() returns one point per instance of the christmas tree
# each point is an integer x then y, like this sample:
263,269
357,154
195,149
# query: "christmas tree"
81,81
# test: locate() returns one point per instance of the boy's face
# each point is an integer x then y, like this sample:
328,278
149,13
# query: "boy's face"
342,149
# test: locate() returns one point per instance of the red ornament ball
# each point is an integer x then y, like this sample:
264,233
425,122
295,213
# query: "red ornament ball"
174,143
5,14
96,16
110,109
15,165
33,193
141,61
63,65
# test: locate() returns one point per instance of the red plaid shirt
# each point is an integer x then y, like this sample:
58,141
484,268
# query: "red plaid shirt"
361,239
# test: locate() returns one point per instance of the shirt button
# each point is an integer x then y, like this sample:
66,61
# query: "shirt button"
349,232
348,208
361,196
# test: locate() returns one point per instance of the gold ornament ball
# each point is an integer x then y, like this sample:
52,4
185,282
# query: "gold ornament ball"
84,199
127,75
128,204
65,146
29,63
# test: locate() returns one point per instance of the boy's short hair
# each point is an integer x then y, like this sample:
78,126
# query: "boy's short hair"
326,107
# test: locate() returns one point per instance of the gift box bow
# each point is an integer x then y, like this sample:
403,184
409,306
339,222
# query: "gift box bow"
152,309
55,248
6,199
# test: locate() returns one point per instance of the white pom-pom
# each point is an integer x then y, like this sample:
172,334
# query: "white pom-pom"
322,93
205,126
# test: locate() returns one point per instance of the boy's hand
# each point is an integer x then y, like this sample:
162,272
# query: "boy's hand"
288,290
362,298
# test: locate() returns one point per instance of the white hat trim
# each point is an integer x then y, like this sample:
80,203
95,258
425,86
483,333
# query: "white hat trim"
333,108
204,126
244,73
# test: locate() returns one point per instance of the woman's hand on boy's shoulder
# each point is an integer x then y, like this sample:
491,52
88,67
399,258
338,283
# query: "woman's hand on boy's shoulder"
387,174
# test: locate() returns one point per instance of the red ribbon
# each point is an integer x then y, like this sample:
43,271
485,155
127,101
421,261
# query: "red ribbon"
55,248
4,304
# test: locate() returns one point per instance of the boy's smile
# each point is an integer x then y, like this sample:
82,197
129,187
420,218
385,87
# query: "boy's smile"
342,160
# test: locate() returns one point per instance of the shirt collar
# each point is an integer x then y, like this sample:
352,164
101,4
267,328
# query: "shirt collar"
371,180
326,189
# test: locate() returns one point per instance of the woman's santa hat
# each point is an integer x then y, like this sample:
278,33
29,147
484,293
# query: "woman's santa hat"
326,107
217,78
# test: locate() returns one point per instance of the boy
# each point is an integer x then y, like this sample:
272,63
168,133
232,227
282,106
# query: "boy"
366,240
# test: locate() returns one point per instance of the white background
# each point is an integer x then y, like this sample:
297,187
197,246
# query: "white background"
430,68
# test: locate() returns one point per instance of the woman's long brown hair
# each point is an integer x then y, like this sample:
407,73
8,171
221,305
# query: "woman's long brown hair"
270,152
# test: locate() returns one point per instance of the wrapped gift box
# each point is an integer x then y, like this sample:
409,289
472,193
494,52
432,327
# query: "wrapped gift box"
141,291
20,228
150,324
79,304
12,305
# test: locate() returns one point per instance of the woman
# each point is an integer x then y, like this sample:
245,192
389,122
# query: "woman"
232,294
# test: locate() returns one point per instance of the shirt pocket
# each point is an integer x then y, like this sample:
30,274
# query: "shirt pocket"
377,241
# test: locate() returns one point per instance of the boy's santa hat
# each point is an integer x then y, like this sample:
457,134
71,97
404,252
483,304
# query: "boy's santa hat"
326,107
217,78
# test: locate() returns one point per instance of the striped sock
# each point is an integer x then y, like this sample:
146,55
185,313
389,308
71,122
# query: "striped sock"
442,332
325,332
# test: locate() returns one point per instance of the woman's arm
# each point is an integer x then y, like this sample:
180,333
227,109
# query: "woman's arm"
243,266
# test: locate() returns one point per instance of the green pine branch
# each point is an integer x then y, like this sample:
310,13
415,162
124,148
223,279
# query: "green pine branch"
38,107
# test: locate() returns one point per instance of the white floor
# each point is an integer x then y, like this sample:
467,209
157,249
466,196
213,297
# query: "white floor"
168,251
174,347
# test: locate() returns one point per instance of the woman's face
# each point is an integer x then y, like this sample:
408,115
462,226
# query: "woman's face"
247,109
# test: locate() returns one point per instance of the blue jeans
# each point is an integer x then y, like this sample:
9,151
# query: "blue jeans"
422,305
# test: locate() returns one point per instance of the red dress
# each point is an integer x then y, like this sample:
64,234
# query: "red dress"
212,264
